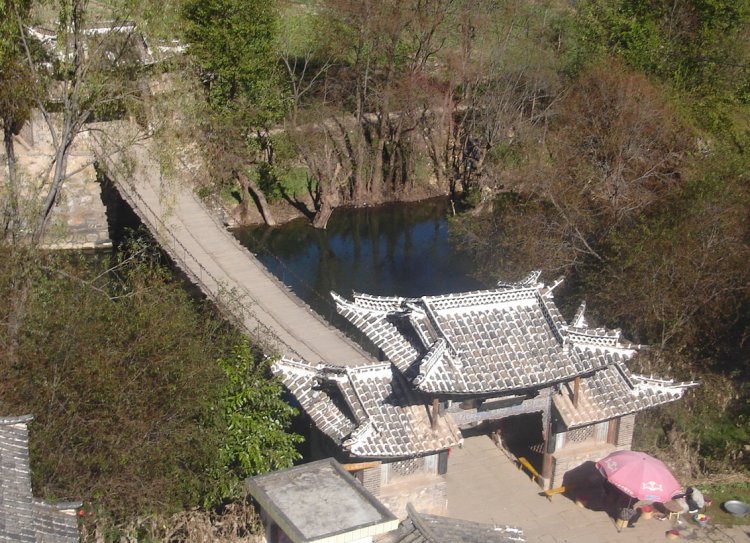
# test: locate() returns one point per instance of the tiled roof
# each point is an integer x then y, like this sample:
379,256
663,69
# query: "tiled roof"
21,517
56,523
421,528
374,317
369,410
494,341
16,509
613,392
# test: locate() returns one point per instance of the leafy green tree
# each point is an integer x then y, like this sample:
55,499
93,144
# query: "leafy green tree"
256,420
699,46
232,43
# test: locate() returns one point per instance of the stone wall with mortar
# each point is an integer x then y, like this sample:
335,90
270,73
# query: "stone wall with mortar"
79,218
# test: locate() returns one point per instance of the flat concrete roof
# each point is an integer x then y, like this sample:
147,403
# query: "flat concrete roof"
320,502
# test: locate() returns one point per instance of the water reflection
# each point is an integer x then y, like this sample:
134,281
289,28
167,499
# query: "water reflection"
400,249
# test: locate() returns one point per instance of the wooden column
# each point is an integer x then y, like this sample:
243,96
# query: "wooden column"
435,409
612,431
547,434
576,391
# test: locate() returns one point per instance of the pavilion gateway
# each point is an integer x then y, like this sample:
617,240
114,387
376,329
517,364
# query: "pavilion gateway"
501,360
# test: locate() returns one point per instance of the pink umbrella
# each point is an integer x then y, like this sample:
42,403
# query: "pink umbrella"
639,475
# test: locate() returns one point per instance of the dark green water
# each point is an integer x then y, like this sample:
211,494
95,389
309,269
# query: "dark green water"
394,250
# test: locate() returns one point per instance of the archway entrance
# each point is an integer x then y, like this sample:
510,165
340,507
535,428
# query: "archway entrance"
523,436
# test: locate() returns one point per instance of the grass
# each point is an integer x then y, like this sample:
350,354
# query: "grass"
294,180
721,492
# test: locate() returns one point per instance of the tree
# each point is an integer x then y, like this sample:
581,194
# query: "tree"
699,47
256,420
615,151
15,103
232,44
384,50
326,148
93,74
687,267
80,74
499,84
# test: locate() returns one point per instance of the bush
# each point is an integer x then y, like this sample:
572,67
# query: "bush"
119,366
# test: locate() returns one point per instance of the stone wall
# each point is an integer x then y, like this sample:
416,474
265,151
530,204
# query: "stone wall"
569,454
563,463
370,479
79,218
427,493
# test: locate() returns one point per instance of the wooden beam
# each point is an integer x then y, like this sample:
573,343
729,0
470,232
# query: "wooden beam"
357,466
435,408
613,430
576,390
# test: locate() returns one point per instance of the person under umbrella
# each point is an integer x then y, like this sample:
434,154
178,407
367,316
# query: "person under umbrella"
639,475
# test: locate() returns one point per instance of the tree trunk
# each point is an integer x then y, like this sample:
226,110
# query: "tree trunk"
10,213
378,178
323,213
326,198
19,295
61,166
250,190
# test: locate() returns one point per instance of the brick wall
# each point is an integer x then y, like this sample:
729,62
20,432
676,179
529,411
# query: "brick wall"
371,480
625,432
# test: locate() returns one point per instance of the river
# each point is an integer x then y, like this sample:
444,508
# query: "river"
393,250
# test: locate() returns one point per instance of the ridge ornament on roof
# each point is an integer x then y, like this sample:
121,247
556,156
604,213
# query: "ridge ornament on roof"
505,340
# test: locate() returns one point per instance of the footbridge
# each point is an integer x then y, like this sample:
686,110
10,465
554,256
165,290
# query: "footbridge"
241,287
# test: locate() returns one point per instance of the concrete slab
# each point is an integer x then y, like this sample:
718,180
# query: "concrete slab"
483,485
320,502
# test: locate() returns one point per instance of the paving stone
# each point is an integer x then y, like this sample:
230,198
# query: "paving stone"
476,495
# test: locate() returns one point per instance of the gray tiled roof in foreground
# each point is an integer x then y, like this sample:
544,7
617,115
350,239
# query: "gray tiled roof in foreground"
320,502
421,528
369,410
21,517
56,522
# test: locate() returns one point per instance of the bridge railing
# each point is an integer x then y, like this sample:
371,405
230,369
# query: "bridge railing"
232,305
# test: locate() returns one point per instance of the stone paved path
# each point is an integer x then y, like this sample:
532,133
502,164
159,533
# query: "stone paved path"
484,486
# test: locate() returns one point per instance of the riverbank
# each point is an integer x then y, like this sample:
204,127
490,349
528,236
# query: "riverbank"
303,207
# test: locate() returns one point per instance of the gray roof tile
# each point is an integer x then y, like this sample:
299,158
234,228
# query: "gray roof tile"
369,410
422,528
480,342
21,517
613,392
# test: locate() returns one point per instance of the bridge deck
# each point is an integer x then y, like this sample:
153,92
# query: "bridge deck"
223,269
